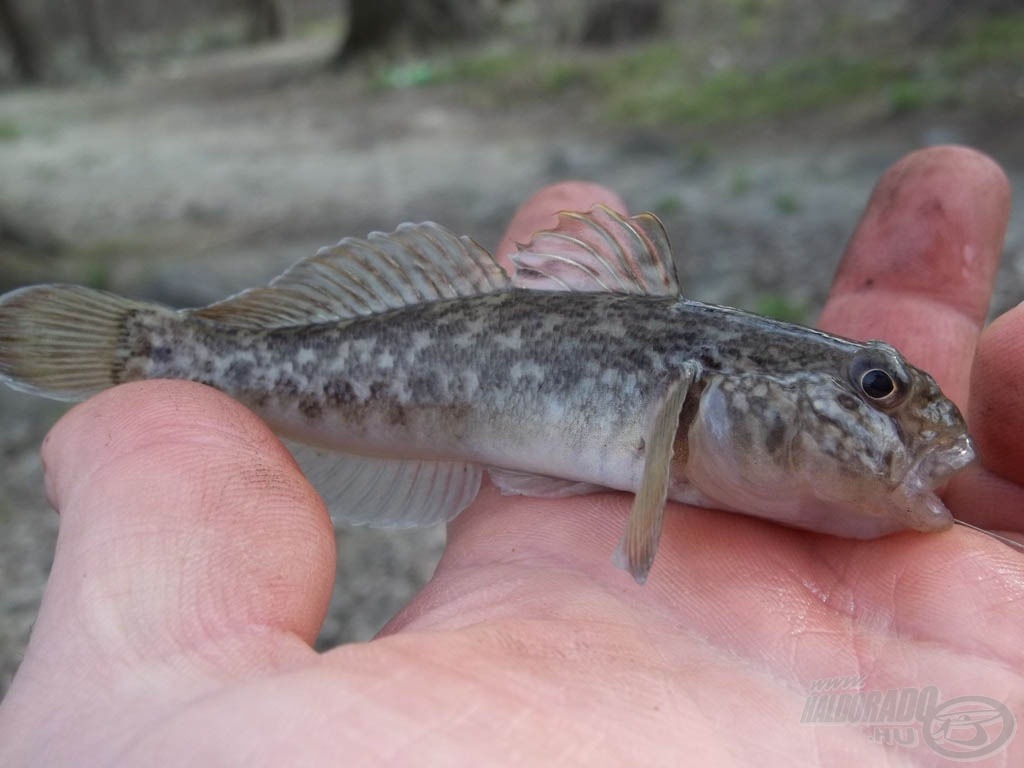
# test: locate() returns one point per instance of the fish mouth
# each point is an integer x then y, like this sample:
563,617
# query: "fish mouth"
936,466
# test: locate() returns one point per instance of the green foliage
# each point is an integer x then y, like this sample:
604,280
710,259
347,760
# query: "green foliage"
409,75
990,40
475,67
97,274
781,308
740,95
699,155
669,205
10,130
565,75
666,83
487,67
787,203
649,64
741,182
915,93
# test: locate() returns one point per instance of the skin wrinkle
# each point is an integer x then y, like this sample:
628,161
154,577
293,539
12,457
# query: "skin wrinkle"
506,689
208,614
144,428
964,565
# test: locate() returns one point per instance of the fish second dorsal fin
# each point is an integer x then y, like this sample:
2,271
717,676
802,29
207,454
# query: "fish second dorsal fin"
414,264
599,251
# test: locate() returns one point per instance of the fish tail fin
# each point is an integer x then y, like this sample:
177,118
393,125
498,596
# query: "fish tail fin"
65,342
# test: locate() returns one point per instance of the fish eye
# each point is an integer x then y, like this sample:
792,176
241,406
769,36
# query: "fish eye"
879,376
877,384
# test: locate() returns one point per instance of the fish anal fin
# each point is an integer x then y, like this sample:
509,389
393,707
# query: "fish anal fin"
414,264
388,493
639,542
600,250
513,483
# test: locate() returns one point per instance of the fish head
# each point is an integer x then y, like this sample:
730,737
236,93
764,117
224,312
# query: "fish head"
856,451
932,433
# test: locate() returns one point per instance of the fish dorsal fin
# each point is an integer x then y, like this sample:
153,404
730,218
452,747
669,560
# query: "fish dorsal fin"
599,251
416,263
388,493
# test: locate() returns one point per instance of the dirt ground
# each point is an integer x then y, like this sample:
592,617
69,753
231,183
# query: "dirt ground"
212,175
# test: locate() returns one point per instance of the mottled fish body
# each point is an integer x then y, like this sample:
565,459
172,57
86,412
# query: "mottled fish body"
399,367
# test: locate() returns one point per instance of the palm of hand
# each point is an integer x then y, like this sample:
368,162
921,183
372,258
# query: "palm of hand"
186,635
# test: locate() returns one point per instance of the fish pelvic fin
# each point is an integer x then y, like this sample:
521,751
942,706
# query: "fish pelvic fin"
639,542
599,251
513,483
416,263
64,342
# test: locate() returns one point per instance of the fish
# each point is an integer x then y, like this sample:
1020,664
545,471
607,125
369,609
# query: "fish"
401,367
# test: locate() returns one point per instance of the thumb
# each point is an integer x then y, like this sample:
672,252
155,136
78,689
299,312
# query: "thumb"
190,551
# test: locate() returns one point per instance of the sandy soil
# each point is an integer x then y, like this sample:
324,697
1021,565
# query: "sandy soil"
212,175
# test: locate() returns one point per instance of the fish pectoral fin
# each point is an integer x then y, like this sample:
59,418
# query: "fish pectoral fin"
388,493
599,251
513,483
416,263
639,542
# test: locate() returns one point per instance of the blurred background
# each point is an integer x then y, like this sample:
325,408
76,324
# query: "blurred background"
183,151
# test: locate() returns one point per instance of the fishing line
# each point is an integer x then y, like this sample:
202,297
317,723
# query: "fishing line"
1005,540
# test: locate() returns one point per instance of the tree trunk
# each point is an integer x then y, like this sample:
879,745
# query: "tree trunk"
374,23
27,50
267,20
607,22
369,23
99,46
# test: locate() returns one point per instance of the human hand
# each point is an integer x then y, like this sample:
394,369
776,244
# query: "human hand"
194,565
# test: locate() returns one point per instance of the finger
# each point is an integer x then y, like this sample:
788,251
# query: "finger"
187,534
996,412
539,211
992,494
918,271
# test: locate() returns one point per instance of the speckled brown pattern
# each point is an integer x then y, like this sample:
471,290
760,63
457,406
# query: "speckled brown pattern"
559,383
